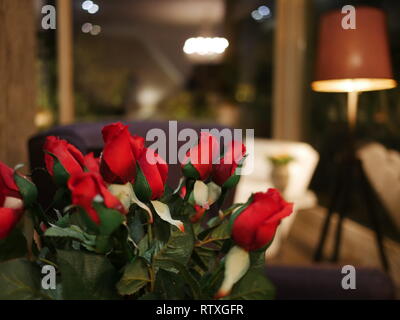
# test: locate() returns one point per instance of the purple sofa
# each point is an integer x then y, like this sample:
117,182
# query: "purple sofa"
323,282
87,138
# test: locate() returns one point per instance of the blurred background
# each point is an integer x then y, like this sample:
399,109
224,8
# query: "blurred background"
235,63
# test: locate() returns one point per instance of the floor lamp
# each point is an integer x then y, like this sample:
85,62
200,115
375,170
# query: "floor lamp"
352,61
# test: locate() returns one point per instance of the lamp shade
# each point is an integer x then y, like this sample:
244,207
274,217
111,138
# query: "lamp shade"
353,59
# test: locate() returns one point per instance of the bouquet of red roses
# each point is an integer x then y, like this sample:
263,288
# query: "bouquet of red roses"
115,230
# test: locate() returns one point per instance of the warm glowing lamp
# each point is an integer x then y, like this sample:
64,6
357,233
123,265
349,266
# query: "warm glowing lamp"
353,60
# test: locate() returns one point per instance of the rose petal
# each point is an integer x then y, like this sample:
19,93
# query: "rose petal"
200,192
124,192
237,262
142,205
214,192
163,212
13,203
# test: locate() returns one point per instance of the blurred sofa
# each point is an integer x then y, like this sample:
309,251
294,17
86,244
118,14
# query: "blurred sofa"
323,282
382,168
87,138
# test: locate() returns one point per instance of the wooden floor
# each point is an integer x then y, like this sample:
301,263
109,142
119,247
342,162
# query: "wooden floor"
358,244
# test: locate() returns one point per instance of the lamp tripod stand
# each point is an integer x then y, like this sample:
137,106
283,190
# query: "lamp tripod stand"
350,181
352,61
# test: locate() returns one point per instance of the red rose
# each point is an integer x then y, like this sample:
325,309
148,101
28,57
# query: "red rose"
256,225
69,156
91,163
198,162
151,176
227,165
118,162
11,204
85,187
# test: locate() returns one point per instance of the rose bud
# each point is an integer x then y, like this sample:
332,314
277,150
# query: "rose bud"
121,150
205,195
255,226
224,172
202,197
70,158
199,210
91,163
198,163
152,172
11,204
87,187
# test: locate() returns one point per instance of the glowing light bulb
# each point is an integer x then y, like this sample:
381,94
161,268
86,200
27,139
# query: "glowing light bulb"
93,9
87,27
205,46
87,4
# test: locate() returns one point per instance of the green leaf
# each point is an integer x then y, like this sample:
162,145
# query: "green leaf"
14,246
238,211
162,229
56,231
180,209
190,171
222,232
136,276
218,233
210,282
64,221
178,248
143,246
253,286
20,280
27,189
54,294
61,175
141,187
110,219
135,222
234,179
86,276
188,278
62,197
257,258
150,296
123,248
169,286
73,232
205,258
82,219
167,195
